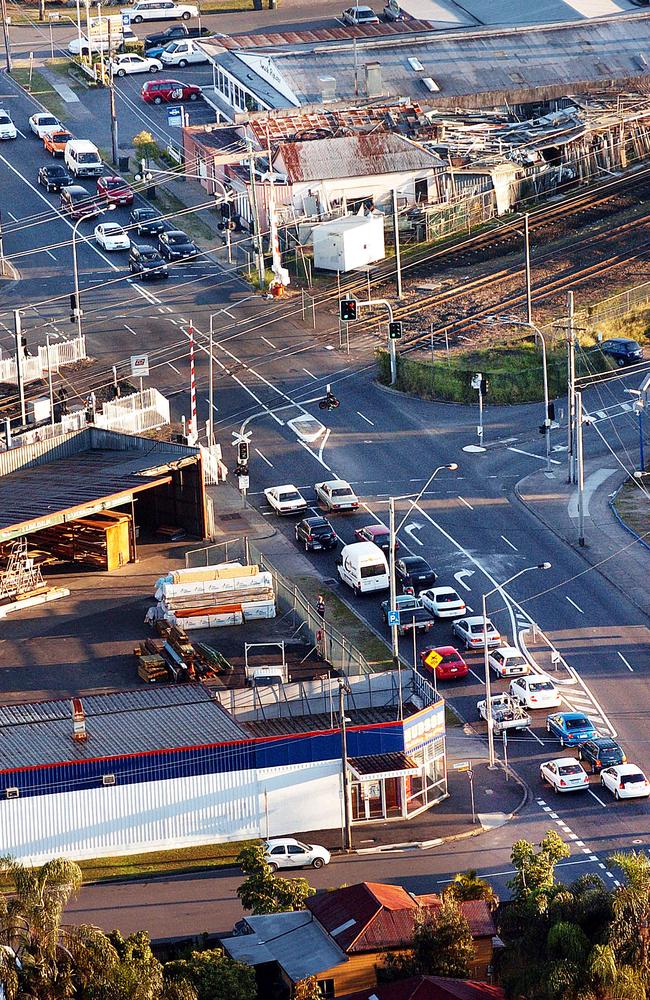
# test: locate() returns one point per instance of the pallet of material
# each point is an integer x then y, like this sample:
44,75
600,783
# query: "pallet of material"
237,584
217,600
152,669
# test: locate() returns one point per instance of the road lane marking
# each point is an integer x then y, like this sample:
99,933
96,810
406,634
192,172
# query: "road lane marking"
366,419
466,503
540,458
514,547
174,367
264,458
580,843
306,370
625,662
314,455
574,605
50,254
594,796
269,343
130,330
536,737
12,216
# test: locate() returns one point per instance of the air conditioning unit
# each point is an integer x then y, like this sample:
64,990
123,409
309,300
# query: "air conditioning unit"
12,793
108,779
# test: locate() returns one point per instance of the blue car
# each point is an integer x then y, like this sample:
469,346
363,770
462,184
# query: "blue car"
570,728
155,51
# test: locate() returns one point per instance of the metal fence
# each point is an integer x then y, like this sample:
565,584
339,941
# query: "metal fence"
36,367
142,411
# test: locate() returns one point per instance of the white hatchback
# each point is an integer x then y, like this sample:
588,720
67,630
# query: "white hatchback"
130,62
285,852
42,123
564,774
535,691
111,236
7,128
625,781
507,661
444,602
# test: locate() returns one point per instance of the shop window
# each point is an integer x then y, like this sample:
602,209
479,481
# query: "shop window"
326,986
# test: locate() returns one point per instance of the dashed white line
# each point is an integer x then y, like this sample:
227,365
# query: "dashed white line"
269,343
574,605
514,547
130,330
306,370
554,816
625,662
580,843
174,367
599,801
462,500
264,458
365,418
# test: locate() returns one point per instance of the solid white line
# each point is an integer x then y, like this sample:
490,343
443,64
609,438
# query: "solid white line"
314,455
269,343
264,459
535,736
594,796
174,367
12,216
530,454
466,503
310,374
323,443
50,254
625,662
130,330
574,605
365,418
510,543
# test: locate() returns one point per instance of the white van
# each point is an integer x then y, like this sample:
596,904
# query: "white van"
363,567
82,158
159,10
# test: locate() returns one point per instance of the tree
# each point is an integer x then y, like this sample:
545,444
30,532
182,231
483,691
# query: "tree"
469,885
535,870
630,926
263,891
442,945
307,989
213,976
146,146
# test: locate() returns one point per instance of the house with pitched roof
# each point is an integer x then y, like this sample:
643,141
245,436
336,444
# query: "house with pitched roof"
430,988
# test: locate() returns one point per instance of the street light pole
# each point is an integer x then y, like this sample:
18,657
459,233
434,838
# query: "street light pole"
512,321
486,662
75,266
580,458
344,688
529,296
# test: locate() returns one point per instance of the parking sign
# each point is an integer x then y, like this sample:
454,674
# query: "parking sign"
175,116
393,617
126,19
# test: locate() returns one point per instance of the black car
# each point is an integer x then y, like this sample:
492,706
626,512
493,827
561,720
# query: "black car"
148,223
622,350
316,534
175,244
54,176
147,262
601,752
172,34
414,573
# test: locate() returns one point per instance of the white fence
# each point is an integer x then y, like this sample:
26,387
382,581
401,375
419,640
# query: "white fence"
69,422
36,367
214,471
142,411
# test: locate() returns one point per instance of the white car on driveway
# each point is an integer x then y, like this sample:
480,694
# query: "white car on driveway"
183,53
131,62
111,236
564,774
285,852
336,494
285,499
359,15
471,631
507,661
444,602
7,128
43,123
535,691
625,781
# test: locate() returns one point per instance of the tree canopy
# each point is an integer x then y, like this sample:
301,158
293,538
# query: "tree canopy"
265,892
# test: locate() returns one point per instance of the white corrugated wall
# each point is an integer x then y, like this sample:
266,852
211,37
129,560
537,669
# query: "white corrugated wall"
305,797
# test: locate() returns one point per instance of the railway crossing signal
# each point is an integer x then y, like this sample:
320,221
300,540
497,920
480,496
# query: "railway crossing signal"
395,330
348,310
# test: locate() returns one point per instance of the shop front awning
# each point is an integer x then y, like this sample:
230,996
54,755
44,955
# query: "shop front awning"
383,765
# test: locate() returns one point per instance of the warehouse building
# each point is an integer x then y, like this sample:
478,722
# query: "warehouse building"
169,766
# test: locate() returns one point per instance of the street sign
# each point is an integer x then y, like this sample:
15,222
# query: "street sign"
243,482
393,618
465,765
140,365
126,19
175,116
432,659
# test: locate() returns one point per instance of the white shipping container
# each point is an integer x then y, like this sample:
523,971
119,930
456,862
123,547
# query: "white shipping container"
349,243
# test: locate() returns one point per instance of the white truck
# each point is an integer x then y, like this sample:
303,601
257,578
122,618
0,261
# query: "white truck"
506,713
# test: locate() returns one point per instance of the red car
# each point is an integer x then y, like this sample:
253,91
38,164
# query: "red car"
376,533
162,91
450,668
115,190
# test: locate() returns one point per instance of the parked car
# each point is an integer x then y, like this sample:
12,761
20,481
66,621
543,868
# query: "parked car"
414,573
535,691
451,667
564,774
285,852
622,350
378,534
55,142
507,713
175,244
625,781
7,128
182,53
43,122
336,495
285,499
601,751
172,33
316,534
472,632
393,12
54,176
507,661
131,62
146,262
147,222
115,190
77,202
411,614
111,236
159,10
443,601
359,15
100,43
162,91
570,728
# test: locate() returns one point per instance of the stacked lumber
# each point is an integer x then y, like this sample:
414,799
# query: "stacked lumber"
212,596
175,658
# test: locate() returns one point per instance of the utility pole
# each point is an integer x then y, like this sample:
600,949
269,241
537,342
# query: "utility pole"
19,365
347,820
571,395
211,389
5,32
257,236
111,98
394,635
49,380
581,470
398,261
2,247
529,296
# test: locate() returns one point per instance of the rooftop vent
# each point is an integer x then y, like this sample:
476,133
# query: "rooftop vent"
78,721
430,84
374,86
327,88
641,61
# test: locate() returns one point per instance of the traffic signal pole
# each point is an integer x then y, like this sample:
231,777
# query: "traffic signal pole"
348,312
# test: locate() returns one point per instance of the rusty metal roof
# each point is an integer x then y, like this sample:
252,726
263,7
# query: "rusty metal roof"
337,33
353,156
333,123
431,988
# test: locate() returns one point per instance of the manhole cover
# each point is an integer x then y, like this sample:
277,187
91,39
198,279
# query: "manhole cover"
330,581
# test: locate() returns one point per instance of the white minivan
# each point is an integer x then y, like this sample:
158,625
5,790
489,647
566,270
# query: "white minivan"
82,158
363,567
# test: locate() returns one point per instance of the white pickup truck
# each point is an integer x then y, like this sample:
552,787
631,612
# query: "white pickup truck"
506,713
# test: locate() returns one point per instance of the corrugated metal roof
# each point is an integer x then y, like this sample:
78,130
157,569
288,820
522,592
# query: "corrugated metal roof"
294,940
352,156
125,722
337,33
430,988
337,121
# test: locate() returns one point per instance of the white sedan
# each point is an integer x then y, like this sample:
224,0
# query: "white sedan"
285,499
130,62
625,781
336,494
7,128
43,123
285,852
444,602
472,632
564,774
507,661
359,15
535,691
111,236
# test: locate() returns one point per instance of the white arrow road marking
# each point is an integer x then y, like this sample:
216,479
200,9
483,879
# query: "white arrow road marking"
540,458
460,577
410,529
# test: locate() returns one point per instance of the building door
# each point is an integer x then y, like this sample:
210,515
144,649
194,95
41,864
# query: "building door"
422,190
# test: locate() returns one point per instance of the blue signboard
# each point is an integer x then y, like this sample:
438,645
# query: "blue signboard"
393,617
126,19
175,116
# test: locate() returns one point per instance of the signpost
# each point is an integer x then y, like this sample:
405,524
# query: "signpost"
477,383
393,618
140,367
432,659
176,116
466,767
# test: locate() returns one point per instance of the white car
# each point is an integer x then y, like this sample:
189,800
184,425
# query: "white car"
336,494
507,661
359,15
111,236
285,852
159,10
132,63
7,128
564,774
472,632
285,499
625,781
444,602
535,691
182,53
100,43
43,123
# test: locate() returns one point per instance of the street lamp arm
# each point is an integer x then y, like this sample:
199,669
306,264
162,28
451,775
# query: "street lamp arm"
409,496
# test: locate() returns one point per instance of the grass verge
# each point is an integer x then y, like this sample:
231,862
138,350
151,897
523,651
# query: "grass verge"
189,223
40,88
632,507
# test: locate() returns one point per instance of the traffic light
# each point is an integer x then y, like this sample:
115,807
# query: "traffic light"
484,386
395,330
242,453
348,310
73,308
551,412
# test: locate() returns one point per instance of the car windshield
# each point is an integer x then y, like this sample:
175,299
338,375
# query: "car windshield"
289,495
56,171
112,229
113,183
375,570
145,213
88,158
447,598
479,627
632,779
61,136
47,120
577,723
450,658
570,769
541,686
150,256
320,529
177,238
171,47
342,491
5,120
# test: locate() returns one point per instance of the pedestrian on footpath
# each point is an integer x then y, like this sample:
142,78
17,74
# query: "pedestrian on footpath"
320,606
